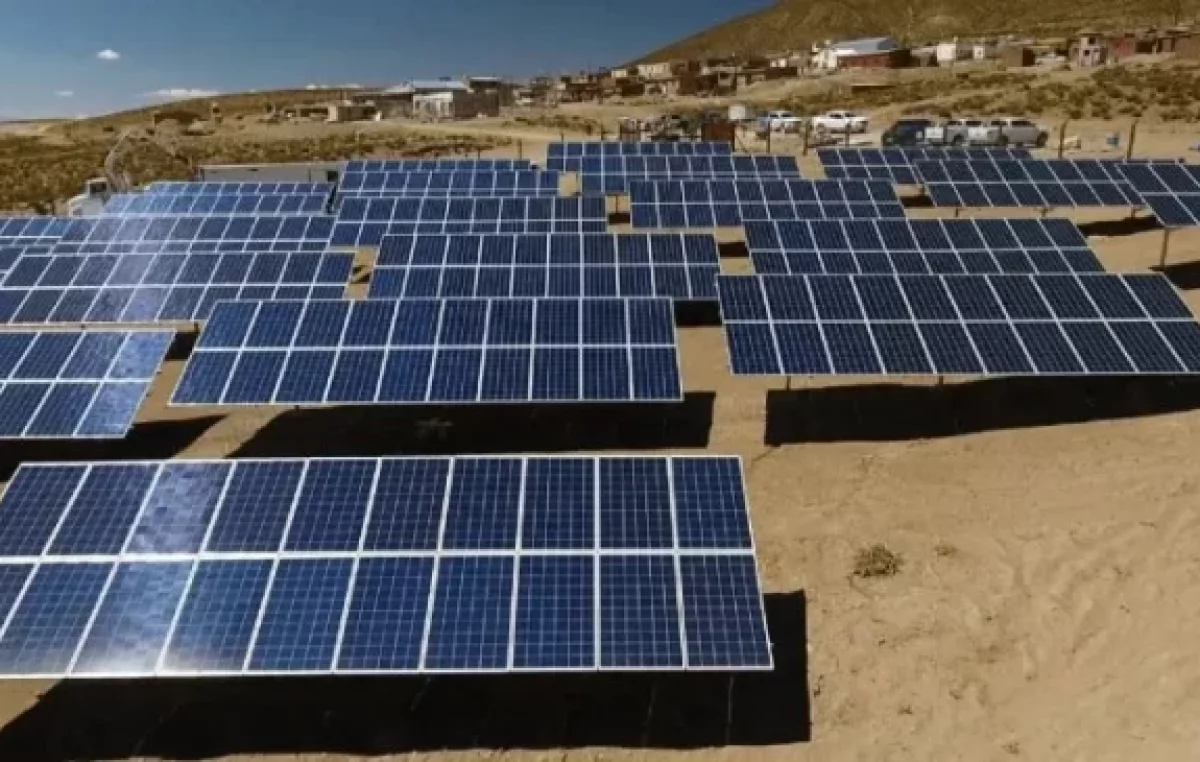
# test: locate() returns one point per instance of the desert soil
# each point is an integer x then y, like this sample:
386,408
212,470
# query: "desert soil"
1046,608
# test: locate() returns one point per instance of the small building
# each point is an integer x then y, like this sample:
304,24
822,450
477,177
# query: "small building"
624,72
455,104
1016,56
869,52
350,112
668,69
504,90
1087,49
950,53
983,51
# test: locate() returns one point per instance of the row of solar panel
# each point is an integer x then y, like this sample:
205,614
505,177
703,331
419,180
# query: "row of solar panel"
639,148
760,191
144,304
437,165
10,254
528,183
207,188
713,214
914,235
548,249
677,281
904,156
1040,194
203,205
32,230
990,325
434,351
476,216
682,167
1171,191
218,227
532,503
75,384
168,269
411,614
1015,261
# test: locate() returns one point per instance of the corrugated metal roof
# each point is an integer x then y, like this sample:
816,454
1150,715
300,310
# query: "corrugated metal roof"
865,45
429,85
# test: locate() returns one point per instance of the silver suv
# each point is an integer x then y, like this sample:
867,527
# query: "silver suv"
1008,131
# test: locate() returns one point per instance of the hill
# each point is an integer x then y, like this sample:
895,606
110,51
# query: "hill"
796,24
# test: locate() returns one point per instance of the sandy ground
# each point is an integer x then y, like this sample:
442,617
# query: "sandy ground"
1046,608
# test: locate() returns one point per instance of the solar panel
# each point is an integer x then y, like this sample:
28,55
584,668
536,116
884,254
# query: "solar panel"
151,234
1172,191
428,351
556,151
19,231
612,174
378,565
421,184
919,247
203,205
75,384
896,164
1027,183
726,203
438,165
10,254
365,222
1053,325
144,288
236,188
682,267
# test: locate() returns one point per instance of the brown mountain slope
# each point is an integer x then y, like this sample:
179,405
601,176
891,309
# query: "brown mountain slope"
795,24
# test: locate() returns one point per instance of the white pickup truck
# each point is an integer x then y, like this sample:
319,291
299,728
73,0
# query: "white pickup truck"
783,121
840,121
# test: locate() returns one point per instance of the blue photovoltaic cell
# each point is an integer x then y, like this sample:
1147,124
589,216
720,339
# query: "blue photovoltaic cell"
475,183
437,165
611,175
998,182
501,569
722,611
469,624
388,615
561,636
154,234
730,203
43,631
216,622
568,149
75,384
217,188
435,351
300,624
559,507
678,266
897,164
1102,324
639,612
635,504
484,500
180,507
204,204
332,504
407,506
132,623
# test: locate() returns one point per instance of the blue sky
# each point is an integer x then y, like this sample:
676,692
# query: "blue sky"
49,50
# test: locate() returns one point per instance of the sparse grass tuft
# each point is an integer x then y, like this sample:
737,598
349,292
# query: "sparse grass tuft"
877,561
945,550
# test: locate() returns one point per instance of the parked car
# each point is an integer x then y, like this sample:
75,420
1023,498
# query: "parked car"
906,132
1008,131
783,121
840,121
952,132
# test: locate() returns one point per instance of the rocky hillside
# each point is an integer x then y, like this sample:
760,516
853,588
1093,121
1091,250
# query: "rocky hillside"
796,24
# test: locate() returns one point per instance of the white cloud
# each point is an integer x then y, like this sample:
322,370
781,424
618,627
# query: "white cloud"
182,93
108,54
65,93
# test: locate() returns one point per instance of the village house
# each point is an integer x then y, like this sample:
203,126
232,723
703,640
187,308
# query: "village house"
870,52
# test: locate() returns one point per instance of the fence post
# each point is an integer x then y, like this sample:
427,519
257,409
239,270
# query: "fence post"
1062,137
1132,137
520,149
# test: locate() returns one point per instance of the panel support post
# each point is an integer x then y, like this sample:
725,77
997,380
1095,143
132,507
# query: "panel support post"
520,149
787,383
1162,259
1132,136
729,710
957,210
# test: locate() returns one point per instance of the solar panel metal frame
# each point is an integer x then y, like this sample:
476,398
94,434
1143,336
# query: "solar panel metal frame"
438,165
897,163
1036,183
152,234
16,360
612,175
33,230
197,282
932,247
731,538
366,221
206,205
938,305
731,203
637,148
690,277
449,184
233,324
223,187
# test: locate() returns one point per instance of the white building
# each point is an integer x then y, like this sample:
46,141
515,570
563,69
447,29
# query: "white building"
949,53
984,51
828,57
